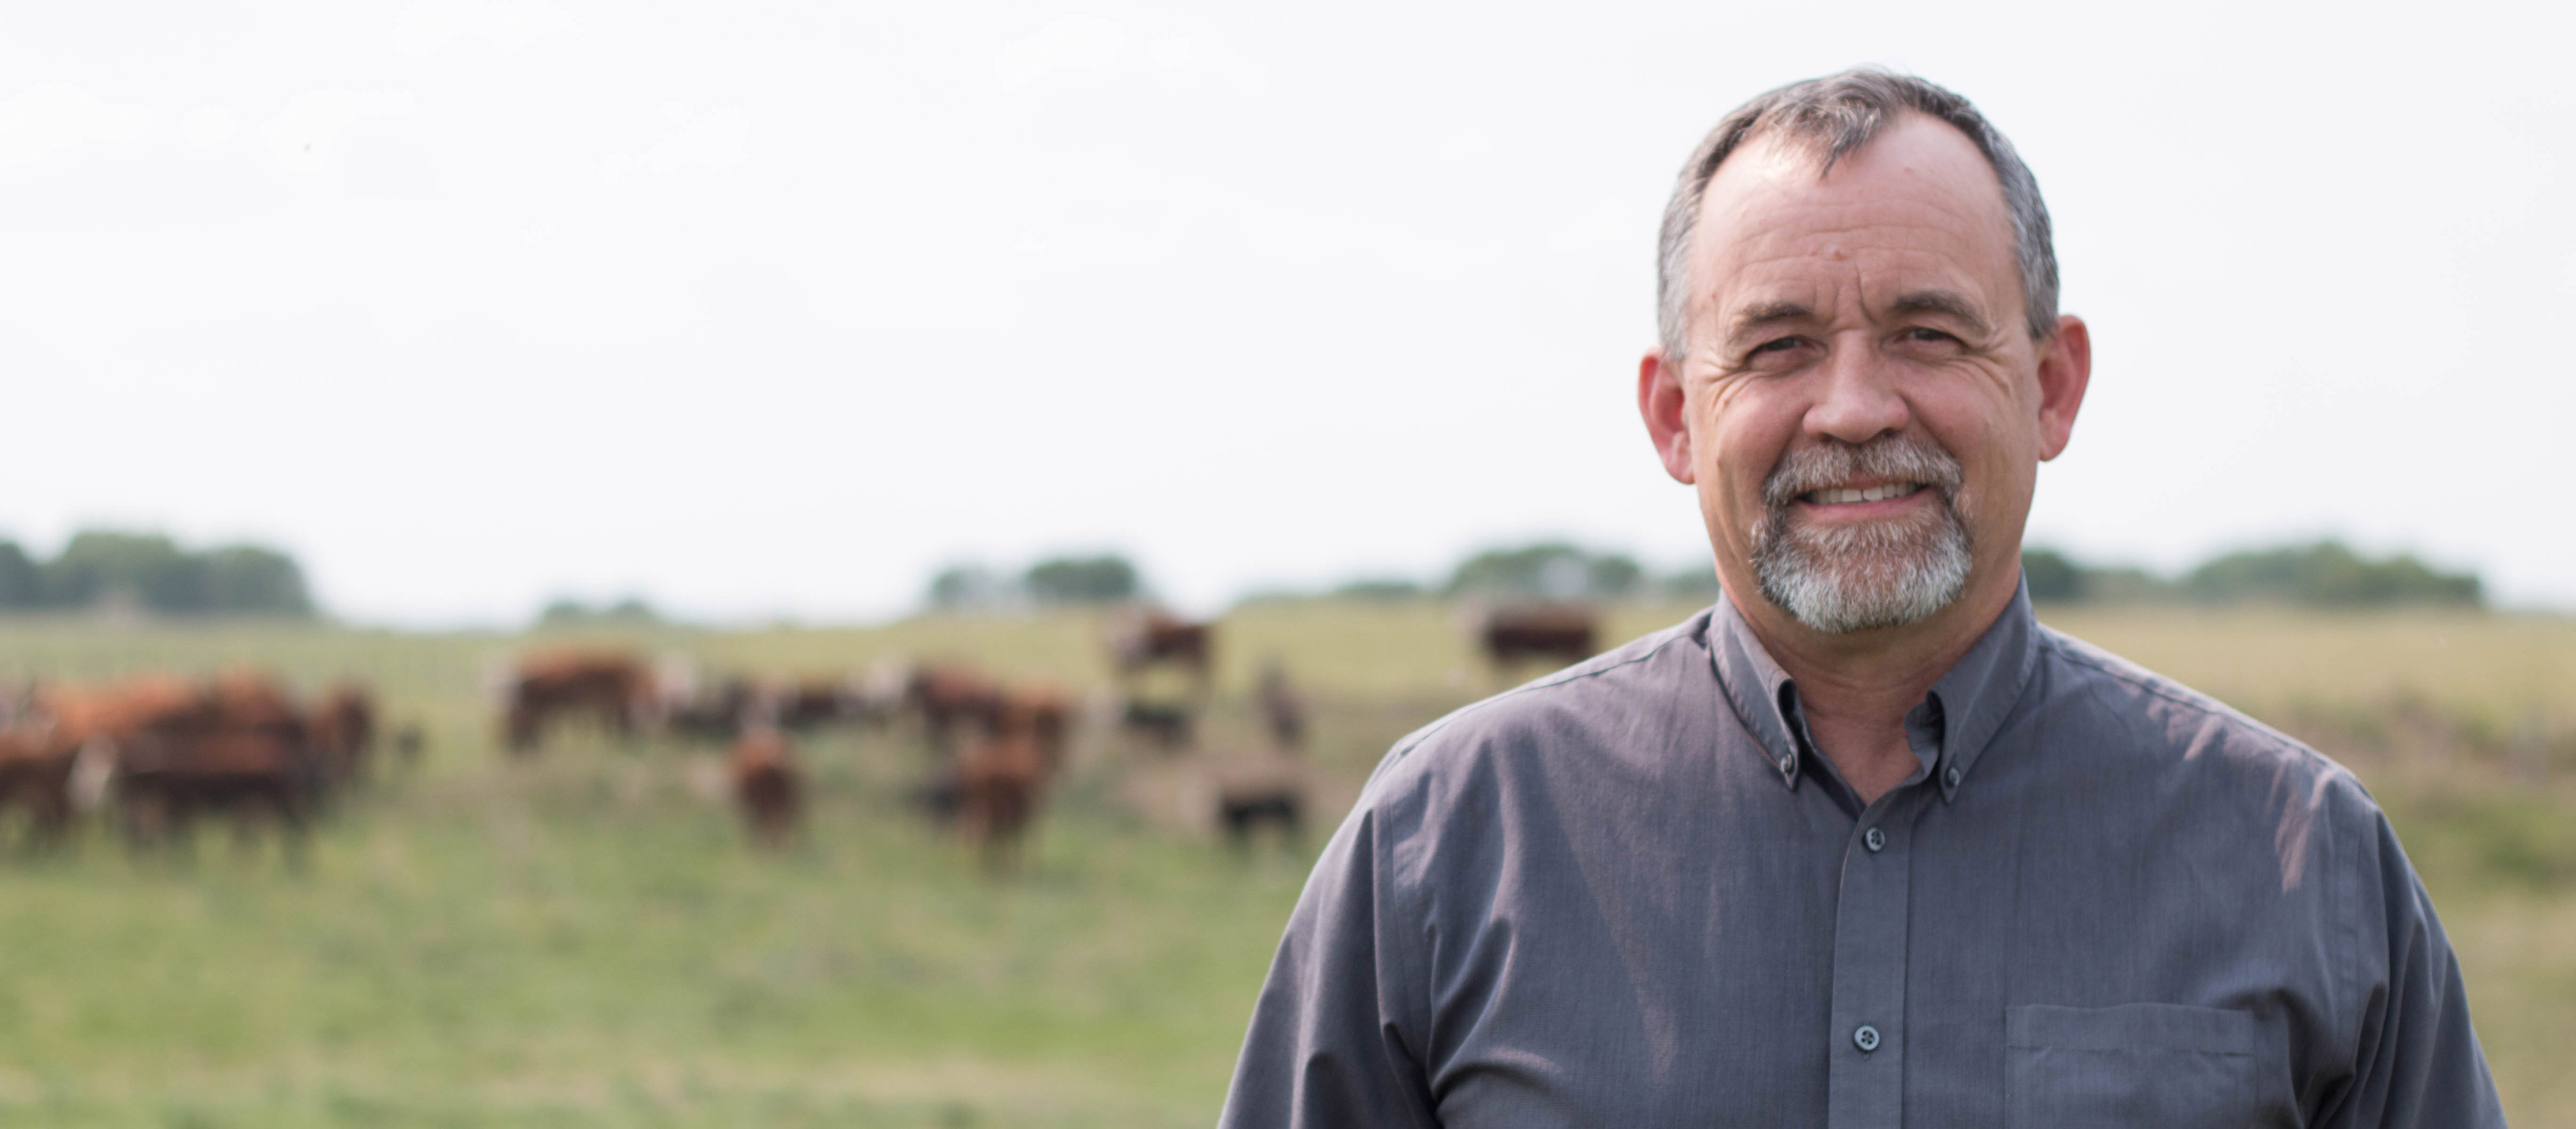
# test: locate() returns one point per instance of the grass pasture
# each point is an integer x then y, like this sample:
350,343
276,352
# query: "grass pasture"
585,940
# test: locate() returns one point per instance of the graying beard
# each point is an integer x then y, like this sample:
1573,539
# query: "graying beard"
1856,578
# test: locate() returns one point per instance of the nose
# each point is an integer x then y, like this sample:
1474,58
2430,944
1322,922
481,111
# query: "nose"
1856,400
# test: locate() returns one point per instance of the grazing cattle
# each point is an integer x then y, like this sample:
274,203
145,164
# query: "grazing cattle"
344,732
1147,638
1562,634
948,695
1243,811
999,780
236,746
808,704
767,785
717,713
1283,708
613,686
1044,711
36,774
1169,726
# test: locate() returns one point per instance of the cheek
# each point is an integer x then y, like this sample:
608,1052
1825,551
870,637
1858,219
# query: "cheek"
1742,439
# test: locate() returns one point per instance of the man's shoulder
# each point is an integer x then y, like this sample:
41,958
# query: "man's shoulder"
1620,688
2166,723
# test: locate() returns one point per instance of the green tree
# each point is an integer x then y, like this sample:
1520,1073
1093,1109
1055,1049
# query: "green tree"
21,587
147,570
964,586
1380,589
1547,570
2328,574
1107,578
251,580
2052,577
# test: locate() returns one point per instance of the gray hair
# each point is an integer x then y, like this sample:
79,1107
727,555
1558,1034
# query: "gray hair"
1834,116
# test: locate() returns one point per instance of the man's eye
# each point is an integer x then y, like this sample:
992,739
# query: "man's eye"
1921,333
1782,345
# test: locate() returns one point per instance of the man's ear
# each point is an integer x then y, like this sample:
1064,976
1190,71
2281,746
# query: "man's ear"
1659,399
2065,370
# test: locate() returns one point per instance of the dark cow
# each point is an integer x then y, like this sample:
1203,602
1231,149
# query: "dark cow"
613,686
1169,726
1283,708
1243,811
344,732
999,781
1000,778
807,704
236,745
1561,634
767,785
716,713
1147,638
36,774
1044,711
948,696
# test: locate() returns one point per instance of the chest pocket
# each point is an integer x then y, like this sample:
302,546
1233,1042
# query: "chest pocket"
2139,1066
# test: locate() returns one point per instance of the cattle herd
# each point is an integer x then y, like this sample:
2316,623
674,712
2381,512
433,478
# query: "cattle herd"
160,752
155,754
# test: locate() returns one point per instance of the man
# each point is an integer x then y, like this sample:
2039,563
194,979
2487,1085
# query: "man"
1862,845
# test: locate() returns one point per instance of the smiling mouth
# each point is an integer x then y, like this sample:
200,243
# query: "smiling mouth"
1844,496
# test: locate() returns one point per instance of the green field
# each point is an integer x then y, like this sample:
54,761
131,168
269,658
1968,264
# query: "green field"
585,939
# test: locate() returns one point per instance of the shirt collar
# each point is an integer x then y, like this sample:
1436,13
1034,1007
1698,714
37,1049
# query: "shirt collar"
1973,697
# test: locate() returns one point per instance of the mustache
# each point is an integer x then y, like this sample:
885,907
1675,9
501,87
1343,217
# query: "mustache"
1901,458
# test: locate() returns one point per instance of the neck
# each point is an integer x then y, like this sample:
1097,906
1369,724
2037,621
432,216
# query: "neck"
1854,689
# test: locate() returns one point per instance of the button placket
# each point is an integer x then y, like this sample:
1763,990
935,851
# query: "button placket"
1866,1075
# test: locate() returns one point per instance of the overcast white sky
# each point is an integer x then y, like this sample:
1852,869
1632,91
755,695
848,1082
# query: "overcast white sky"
759,311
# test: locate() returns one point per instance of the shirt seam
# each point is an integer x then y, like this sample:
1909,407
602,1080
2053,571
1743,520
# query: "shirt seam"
2198,704
1405,749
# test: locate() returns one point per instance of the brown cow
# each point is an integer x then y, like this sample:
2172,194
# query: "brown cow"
767,785
948,695
36,774
1149,637
1000,778
235,745
807,704
344,732
1559,633
1044,711
613,686
999,781
1283,707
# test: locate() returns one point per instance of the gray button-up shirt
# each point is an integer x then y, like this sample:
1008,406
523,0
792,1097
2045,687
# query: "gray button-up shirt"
1632,894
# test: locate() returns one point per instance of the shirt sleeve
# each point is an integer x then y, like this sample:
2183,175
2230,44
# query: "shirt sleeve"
2419,1062
1326,1049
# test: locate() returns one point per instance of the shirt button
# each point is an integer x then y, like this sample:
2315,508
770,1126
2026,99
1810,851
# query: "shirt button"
1951,777
1866,1038
1788,765
1874,839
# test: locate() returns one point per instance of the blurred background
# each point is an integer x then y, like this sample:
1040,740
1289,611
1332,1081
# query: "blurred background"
622,564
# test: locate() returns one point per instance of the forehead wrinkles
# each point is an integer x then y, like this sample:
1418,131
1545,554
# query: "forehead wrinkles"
1882,215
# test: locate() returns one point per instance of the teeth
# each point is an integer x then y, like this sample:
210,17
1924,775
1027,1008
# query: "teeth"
1843,496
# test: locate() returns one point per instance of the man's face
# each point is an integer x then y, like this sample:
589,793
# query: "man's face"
1862,407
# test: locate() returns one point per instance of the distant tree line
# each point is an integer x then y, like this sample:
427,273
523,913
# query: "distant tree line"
2320,574
1104,578
2324,574
570,613
145,572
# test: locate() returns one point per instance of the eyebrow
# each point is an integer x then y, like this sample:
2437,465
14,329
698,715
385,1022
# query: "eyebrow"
1762,314
1947,303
